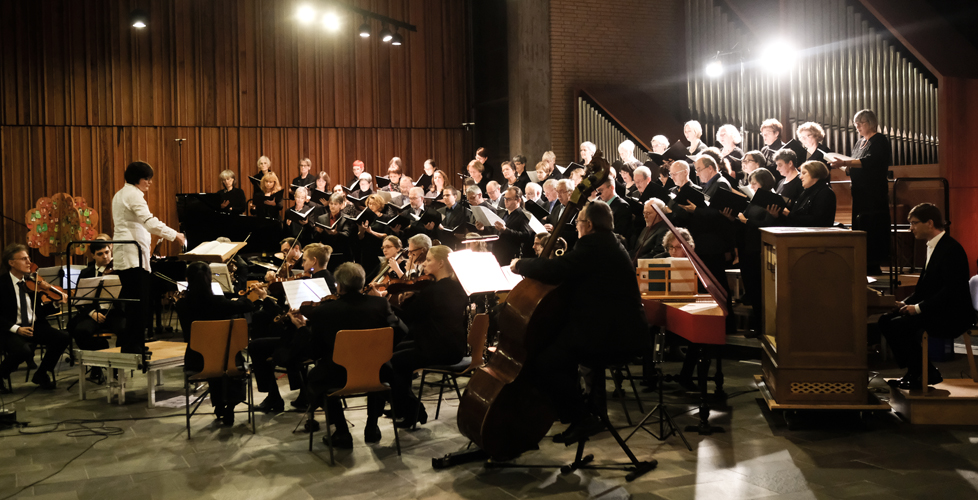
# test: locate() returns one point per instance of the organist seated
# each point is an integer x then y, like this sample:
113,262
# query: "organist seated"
598,272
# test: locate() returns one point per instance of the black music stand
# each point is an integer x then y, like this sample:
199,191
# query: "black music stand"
663,413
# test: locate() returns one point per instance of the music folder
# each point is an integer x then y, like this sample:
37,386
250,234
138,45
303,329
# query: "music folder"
688,193
424,181
427,217
765,198
256,183
366,215
382,182
676,152
213,251
397,220
297,215
796,146
735,201
485,216
535,209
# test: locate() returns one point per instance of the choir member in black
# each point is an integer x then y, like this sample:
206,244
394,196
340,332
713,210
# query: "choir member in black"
453,213
587,151
268,202
659,144
816,205
305,178
619,208
515,235
790,186
642,177
200,304
482,155
494,195
519,168
339,231
415,210
534,194
370,234
811,134
25,322
940,303
439,180
475,170
365,187
870,199
358,169
424,181
610,330
771,135
302,225
542,173
664,179
648,243
564,190
264,167
694,132
550,194
319,192
435,317
731,154
509,176
628,177
96,318
233,199
752,161
550,160
352,310
626,152
394,171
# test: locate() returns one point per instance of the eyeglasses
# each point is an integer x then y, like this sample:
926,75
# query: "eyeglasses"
581,219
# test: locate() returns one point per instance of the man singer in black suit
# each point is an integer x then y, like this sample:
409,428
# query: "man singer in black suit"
941,301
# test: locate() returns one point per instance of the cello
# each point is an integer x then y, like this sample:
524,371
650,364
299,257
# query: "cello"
502,413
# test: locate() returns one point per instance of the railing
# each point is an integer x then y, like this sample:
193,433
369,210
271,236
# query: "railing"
595,124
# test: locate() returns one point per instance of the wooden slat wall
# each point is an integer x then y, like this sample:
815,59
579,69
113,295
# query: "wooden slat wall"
82,94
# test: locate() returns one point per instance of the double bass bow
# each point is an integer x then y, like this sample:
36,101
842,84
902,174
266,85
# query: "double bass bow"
500,411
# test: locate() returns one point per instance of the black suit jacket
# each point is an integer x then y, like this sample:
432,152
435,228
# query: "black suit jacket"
712,232
814,208
648,242
351,311
516,238
8,305
942,292
82,311
622,214
435,317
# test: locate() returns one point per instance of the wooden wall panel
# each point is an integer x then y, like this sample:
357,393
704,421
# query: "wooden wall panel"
82,94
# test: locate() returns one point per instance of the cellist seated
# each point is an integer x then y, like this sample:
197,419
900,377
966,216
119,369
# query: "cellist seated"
606,326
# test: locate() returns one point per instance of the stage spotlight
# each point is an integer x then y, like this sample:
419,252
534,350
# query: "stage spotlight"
385,34
139,18
331,21
397,39
714,69
306,14
364,29
778,56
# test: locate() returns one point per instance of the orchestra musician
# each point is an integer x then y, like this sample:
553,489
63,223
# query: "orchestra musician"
352,310
693,131
268,202
940,303
519,168
418,246
870,199
233,199
315,258
200,304
436,317
392,260
24,322
132,220
96,317
291,253
610,330
305,179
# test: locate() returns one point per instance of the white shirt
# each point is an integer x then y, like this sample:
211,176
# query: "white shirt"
132,220
931,243
30,315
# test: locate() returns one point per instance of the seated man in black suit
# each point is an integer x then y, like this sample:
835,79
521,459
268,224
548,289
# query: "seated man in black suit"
350,311
96,318
940,303
21,324
648,242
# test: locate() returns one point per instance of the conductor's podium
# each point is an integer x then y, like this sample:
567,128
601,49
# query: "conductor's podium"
814,342
164,355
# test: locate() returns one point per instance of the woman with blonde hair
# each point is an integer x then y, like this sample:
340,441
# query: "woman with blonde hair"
811,135
268,202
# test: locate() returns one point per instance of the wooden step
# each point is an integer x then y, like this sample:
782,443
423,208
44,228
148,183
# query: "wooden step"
952,402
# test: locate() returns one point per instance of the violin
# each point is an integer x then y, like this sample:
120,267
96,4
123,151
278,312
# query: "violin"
37,286
396,287
306,308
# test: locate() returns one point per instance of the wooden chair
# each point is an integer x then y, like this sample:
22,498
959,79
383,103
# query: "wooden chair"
362,353
219,342
972,370
450,373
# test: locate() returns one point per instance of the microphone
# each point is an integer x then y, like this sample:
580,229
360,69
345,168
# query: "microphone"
180,141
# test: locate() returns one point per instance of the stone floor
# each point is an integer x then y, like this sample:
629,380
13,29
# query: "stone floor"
104,450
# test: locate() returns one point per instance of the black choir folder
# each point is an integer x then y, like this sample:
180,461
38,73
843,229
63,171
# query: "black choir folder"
735,201
765,198
690,193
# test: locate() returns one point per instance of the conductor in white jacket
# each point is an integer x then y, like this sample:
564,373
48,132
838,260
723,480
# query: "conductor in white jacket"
132,220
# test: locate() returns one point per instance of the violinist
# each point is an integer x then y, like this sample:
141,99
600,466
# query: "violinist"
435,316
418,246
352,310
391,262
97,317
200,304
232,197
24,323
609,330
133,221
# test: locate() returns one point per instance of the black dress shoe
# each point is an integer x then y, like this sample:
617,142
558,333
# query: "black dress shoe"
41,378
371,433
687,384
408,422
300,403
580,431
341,439
271,405
311,426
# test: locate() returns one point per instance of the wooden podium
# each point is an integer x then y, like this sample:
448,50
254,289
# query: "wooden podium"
814,343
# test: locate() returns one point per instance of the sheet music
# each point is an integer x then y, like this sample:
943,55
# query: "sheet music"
299,291
561,169
111,287
213,248
536,225
479,272
836,156
215,287
221,276
532,174
485,216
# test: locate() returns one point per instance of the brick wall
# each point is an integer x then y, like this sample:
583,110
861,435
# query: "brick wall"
625,42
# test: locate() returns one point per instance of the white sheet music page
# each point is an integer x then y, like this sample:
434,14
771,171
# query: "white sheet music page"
478,272
485,216
299,291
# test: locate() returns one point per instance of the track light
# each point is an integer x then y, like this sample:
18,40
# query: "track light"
139,18
385,34
397,39
778,56
331,21
364,29
306,14
714,69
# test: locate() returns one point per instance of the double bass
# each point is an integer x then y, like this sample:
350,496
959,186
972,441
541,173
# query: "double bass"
502,413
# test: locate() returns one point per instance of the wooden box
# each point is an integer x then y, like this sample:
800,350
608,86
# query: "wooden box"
814,342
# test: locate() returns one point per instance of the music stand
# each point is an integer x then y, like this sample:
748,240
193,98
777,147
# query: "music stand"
664,417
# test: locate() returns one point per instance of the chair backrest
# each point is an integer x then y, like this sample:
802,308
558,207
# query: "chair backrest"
973,284
478,332
362,353
219,342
